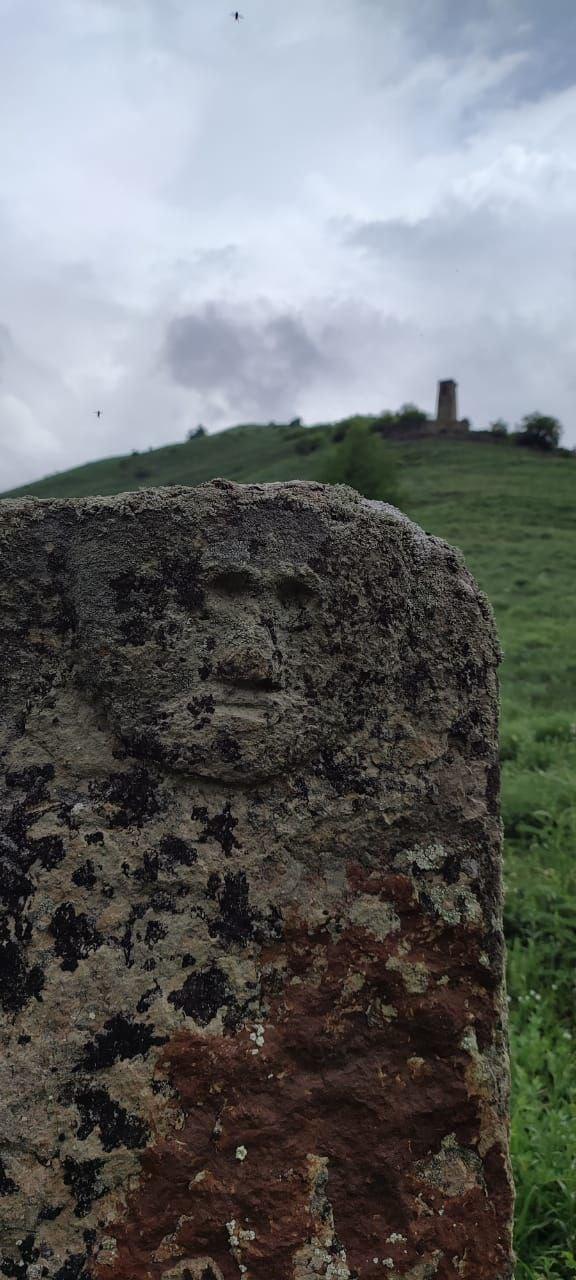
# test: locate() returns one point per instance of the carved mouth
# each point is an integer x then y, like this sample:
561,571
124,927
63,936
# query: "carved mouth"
256,709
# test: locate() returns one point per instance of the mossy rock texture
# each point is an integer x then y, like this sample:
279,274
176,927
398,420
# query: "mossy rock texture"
251,954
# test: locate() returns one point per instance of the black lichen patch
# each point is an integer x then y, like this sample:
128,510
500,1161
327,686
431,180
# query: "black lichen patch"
161,900
7,1185
73,1269
75,935
117,1127
49,1212
133,630
94,837
49,851
83,1176
135,795
32,780
201,709
122,1039
18,983
28,1250
17,1270
220,828
163,861
182,575
29,1254
213,884
15,830
154,933
343,776
148,872
127,939
144,593
426,902
451,869
142,743
228,748
147,999
173,851
18,854
84,875
202,995
236,923
15,887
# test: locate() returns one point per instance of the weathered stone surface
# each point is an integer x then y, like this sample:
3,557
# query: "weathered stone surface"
250,952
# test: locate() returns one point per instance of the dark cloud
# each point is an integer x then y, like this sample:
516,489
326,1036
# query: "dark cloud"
544,33
258,367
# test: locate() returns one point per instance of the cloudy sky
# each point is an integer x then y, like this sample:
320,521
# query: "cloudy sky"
319,210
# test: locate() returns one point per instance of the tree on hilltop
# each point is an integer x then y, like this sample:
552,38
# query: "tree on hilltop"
409,415
539,431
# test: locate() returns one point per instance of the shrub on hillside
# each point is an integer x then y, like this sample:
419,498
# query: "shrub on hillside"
361,461
196,433
384,422
341,429
499,428
308,443
410,416
539,431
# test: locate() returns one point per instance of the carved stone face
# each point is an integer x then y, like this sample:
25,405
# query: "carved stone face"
217,661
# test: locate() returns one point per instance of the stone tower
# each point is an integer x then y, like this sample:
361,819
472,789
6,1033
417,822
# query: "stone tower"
447,411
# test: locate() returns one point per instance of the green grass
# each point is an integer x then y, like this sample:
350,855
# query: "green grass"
513,513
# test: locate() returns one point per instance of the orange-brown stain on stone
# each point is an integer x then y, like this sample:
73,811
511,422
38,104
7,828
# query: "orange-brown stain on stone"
354,1071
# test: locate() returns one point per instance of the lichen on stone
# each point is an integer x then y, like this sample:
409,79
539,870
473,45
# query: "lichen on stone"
253,1018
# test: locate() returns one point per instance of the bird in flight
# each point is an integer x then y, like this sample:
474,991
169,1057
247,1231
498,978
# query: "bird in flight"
236,15
98,413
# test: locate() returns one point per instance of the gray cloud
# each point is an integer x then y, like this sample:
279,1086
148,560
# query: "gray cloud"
543,35
317,211
261,367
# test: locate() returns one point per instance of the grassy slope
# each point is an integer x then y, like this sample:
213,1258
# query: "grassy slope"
514,515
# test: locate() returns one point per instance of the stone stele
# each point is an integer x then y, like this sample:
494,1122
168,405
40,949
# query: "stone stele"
251,954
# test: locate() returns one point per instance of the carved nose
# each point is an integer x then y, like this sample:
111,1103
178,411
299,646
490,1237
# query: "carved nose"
251,665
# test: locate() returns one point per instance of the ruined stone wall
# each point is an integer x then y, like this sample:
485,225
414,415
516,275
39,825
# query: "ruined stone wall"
251,956
430,429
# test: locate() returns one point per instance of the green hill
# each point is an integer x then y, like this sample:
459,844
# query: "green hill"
513,513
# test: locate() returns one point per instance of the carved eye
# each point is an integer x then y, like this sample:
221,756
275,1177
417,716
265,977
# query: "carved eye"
295,591
233,582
